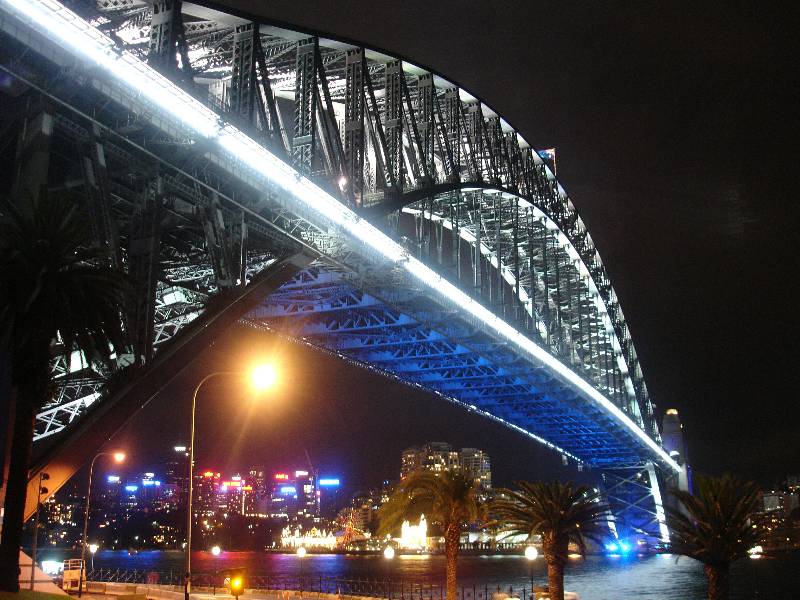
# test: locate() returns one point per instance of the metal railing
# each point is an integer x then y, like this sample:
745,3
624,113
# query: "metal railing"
375,588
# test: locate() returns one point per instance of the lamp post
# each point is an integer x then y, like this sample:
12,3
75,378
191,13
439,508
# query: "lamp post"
119,457
215,552
531,553
34,544
261,378
93,550
301,553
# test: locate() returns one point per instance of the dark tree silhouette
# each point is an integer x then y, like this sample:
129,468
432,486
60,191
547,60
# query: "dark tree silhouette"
54,286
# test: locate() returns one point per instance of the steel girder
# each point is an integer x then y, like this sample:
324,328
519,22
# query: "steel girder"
445,356
438,169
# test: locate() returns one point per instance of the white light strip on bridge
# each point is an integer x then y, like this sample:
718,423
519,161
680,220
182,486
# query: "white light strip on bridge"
64,27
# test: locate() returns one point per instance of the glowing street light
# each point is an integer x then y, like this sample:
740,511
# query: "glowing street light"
531,554
261,377
388,553
215,550
301,552
237,586
93,550
118,457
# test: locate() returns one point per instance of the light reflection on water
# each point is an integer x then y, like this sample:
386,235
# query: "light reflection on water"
662,577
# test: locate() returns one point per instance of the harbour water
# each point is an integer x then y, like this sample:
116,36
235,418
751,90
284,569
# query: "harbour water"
659,577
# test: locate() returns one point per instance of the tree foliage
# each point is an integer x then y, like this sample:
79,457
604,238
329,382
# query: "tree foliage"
449,498
714,526
560,513
54,285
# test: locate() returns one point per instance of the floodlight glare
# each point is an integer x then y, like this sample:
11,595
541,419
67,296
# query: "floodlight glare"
264,377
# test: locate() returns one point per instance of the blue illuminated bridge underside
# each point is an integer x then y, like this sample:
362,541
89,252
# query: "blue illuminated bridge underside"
414,341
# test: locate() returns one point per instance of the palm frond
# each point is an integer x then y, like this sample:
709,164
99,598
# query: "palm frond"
444,498
713,525
55,283
556,511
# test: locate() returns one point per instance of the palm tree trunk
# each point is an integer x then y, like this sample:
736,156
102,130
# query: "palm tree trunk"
31,389
452,537
555,580
718,582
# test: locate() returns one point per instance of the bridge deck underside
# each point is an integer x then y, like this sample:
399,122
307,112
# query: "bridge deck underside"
414,341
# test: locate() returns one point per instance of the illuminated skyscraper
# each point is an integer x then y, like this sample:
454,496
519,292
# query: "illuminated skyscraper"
477,464
295,494
440,457
206,486
176,471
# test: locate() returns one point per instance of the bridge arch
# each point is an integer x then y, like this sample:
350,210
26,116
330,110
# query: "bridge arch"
305,139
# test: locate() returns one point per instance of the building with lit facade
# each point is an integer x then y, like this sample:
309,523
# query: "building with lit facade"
440,457
477,464
176,470
206,486
294,494
231,495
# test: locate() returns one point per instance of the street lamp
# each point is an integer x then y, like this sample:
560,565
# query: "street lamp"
301,553
261,377
388,553
93,550
118,457
531,554
42,490
215,552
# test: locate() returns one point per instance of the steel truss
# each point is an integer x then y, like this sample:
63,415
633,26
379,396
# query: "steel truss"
426,161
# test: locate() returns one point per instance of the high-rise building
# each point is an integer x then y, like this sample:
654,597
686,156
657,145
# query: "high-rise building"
206,486
231,495
256,500
176,471
295,494
440,457
476,463
433,456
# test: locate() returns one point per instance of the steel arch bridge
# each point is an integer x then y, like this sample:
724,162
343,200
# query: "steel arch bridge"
242,171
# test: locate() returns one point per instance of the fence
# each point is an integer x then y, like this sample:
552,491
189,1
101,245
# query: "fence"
376,588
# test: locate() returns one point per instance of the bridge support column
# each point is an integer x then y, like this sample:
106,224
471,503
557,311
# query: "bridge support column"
634,496
33,153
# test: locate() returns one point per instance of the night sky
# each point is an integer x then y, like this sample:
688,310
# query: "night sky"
675,126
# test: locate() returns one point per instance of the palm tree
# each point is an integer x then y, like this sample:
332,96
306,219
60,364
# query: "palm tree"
448,500
713,526
560,513
52,285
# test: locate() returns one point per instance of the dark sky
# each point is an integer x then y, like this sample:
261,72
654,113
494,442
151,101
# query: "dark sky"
676,128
